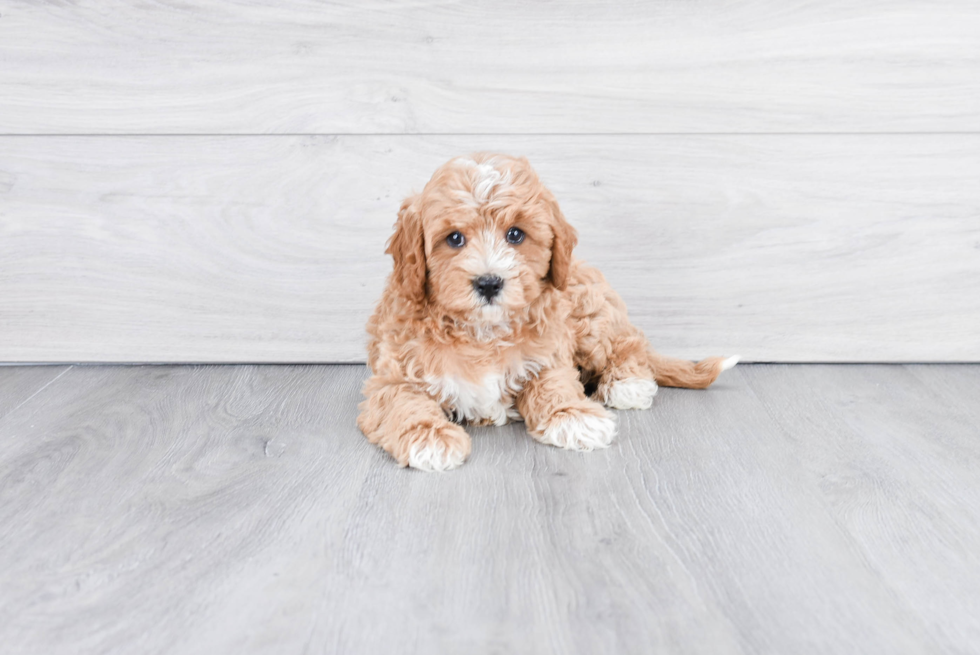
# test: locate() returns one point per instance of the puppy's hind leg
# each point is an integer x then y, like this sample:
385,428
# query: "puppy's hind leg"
626,380
617,356
630,373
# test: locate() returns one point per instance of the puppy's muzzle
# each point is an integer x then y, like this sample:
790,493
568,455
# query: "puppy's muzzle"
488,286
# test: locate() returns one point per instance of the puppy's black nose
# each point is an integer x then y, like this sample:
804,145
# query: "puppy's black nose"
488,286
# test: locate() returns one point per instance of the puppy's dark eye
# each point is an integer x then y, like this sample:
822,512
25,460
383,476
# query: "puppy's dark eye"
515,235
456,240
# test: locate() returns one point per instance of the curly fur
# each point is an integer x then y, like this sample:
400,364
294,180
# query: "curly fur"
440,354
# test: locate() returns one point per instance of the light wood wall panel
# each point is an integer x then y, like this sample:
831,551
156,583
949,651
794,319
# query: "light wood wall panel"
213,66
270,248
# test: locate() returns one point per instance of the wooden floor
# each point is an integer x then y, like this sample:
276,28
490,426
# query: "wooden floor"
236,509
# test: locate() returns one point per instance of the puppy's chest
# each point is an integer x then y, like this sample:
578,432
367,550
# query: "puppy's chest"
487,401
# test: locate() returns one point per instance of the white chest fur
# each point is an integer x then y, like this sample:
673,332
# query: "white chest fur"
489,400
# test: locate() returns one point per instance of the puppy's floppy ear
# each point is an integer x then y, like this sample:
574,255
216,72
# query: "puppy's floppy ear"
561,248
407,248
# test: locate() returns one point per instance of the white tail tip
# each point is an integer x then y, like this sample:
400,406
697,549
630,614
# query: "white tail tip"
729,363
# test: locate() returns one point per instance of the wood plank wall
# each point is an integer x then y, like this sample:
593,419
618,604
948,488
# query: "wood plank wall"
215,181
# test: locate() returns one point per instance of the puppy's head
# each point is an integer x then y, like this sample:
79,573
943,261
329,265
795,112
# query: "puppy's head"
482,241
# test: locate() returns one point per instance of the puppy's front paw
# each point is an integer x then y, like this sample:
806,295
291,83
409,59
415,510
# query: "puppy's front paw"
629,393
439,448
580,429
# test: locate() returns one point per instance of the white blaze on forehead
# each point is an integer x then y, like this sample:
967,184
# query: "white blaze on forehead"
487,177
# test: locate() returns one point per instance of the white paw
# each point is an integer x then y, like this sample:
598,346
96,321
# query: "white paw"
439,451
631,393
576,431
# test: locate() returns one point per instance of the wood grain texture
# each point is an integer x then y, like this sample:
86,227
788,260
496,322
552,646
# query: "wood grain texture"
803,509
266,249
214,66
896,454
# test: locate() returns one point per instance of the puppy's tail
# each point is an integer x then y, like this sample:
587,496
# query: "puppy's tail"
670,372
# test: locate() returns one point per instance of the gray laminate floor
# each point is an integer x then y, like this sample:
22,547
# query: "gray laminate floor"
236,509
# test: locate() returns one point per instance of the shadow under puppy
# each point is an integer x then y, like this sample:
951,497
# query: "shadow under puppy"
487,317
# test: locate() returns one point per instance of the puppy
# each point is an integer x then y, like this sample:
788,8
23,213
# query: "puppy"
487,317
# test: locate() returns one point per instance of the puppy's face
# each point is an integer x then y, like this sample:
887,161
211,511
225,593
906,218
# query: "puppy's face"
492,239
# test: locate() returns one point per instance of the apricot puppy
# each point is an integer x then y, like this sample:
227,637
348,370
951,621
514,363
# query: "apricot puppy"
487,318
